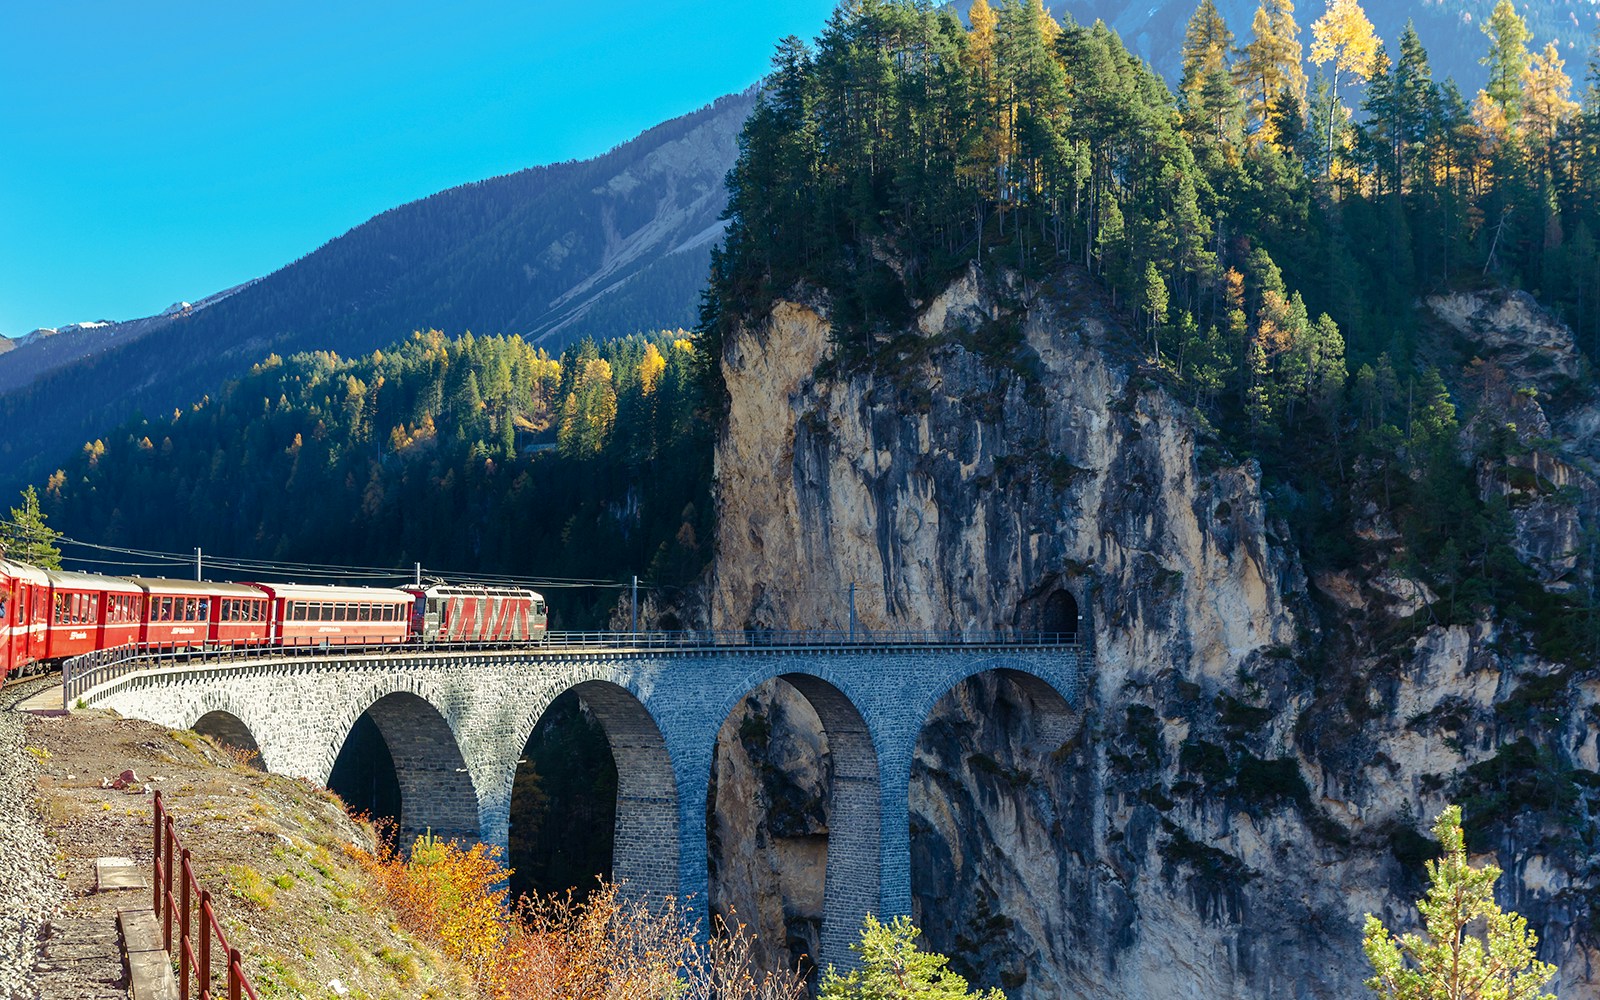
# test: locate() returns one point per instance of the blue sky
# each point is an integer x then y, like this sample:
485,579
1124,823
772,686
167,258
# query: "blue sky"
162,151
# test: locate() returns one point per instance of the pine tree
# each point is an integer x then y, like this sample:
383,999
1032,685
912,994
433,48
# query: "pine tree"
27,538
1507,59
1153,302
893,968
1416,106
1450,961
1210,99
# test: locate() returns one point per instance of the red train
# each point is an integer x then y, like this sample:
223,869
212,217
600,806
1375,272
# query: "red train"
47,616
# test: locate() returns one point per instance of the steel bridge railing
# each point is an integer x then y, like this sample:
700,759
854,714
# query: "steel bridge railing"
176,905
81,674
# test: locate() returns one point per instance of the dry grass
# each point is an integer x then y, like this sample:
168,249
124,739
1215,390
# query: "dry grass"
271,849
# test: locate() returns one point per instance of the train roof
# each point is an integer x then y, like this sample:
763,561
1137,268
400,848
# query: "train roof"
22,571
192,588
474,590
62,579
317,592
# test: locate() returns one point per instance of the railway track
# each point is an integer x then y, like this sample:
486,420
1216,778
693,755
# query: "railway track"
29,891
20,690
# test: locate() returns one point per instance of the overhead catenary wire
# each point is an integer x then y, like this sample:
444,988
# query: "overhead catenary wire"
139,558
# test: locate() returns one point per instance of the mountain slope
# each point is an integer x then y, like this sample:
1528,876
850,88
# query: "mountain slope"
599,247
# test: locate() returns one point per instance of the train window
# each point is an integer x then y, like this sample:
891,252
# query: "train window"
364,613
293,611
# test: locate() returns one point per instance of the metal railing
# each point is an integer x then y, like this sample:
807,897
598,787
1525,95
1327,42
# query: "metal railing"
194,961
90,670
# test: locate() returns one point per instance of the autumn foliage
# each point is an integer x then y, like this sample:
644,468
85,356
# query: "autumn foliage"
607,945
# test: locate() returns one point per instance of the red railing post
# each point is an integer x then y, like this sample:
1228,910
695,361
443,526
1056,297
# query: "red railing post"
186,875
155,855
235,973
166,905
206,920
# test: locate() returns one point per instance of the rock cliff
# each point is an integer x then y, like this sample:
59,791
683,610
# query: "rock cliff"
1260,754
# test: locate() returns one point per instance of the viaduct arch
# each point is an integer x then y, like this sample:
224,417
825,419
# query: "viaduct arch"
456,725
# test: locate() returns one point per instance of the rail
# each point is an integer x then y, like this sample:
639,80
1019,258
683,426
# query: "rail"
194,962
83,673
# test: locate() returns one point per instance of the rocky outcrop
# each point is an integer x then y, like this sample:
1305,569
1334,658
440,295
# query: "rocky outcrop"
1535,430
1259,758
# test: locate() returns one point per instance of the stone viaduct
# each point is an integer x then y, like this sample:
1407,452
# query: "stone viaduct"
456,725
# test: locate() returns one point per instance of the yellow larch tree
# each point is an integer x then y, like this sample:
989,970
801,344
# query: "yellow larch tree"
1344,37
650,368
984,164
1269,69
1546,97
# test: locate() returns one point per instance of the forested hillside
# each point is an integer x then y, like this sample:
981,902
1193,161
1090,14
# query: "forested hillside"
601,248
1270,231
1153,29
480,454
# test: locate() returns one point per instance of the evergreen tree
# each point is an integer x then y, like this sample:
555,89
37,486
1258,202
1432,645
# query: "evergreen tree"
1210,100
1415,109
893,968
1450,961
1507,59
27,538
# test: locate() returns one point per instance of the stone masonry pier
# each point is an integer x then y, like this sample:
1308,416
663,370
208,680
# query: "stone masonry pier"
457,723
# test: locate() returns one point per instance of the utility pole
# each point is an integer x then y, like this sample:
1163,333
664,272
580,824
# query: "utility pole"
852,611
634,605
419,576
198,564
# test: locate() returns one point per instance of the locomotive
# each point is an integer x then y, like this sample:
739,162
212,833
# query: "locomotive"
47,616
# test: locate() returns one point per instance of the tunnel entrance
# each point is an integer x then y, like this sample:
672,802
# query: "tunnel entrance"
364,777
227,730
563,803
1059,615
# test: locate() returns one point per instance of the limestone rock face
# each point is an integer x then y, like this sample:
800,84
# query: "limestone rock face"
1258,760
1548,472
1512,329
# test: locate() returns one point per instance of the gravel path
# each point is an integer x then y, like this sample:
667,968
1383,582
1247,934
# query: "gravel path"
29,891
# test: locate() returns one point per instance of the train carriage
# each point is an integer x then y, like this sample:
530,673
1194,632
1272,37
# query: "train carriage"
240,616
24,612
90,612
303,615
178,613
449,613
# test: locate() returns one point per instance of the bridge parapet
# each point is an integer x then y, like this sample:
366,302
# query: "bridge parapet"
83,674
